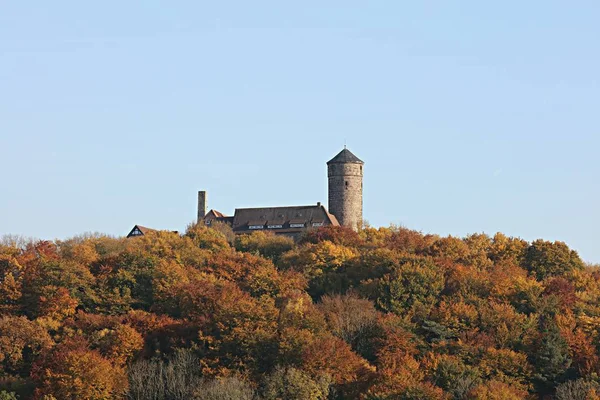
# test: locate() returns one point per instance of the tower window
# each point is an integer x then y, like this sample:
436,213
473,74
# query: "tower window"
346,184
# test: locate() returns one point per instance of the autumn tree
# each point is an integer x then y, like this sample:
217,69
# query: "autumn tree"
21,341
497,390
10,280
333,357
339,235
266,244
72,371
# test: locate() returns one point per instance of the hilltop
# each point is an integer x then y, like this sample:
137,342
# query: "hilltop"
385,313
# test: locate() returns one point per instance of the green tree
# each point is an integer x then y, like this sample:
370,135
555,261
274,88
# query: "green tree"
4,395
551,358
414,285
544,259
456,378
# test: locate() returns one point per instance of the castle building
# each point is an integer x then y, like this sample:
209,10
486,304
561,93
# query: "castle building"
345,186
139,230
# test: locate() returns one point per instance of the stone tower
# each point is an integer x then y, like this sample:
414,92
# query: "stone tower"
201,205
345,173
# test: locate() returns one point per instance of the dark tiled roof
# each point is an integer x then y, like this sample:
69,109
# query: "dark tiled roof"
345,156
284,216
226,220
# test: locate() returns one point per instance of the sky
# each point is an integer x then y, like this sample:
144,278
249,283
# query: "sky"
470,116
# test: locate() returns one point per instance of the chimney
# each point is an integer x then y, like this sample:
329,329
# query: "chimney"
201,205
318,204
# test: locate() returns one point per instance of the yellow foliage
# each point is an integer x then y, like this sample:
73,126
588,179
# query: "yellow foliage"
495,390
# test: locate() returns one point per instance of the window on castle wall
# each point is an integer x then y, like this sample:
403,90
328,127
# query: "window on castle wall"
346,184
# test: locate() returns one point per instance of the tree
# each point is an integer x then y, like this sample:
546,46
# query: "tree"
177,378
10,280
450,248
72,371
456,378
119,344
506,327
4,395
339,235
207,238
227,388
21,341
507,366
331,356
236,330
409,241
398,372
321,265
352,319
507,250
415,285
479,245
294,384
580,389
267,244
544,259
551,358
56,303
495,390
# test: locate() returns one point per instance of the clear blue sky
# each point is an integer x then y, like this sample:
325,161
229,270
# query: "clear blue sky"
474,116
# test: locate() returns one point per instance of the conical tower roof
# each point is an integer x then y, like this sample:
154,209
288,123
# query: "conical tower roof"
344,157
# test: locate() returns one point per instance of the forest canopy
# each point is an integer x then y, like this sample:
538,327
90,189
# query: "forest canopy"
387,313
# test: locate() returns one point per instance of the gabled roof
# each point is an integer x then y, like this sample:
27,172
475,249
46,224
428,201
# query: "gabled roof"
345,156
284,216
139,230
217,214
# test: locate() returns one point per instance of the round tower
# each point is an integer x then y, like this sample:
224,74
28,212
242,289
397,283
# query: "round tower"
345,173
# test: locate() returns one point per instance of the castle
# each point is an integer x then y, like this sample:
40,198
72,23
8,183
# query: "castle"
345,186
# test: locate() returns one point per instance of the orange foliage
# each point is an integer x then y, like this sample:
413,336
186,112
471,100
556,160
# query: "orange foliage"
18,338
72,371
436,317
339,235
56,303
334,357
